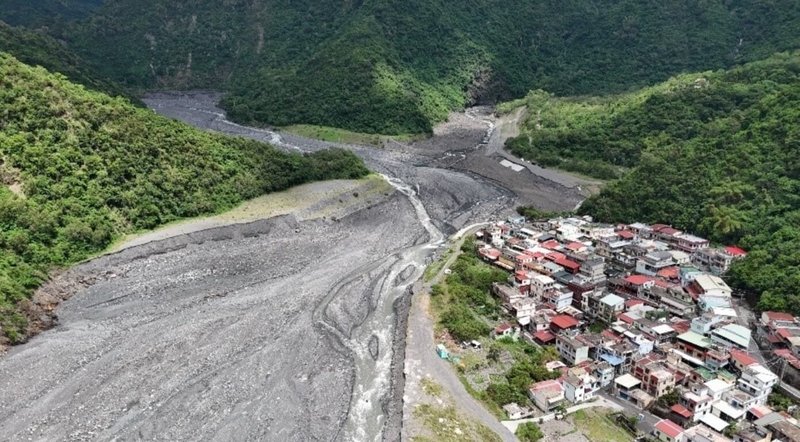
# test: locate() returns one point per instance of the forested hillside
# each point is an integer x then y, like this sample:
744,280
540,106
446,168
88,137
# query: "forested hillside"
79,168
39,49
393,67
37,13
717,153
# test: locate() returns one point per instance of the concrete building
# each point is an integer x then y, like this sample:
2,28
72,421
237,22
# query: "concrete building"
547,395
668,431
572,350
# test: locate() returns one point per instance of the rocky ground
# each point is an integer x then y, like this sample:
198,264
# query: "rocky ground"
261,329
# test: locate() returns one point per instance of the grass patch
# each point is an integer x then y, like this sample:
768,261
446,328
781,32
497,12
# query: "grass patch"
435,267
336,135
448,426
431,388
597,425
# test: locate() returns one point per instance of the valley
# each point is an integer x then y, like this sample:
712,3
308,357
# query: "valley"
236,315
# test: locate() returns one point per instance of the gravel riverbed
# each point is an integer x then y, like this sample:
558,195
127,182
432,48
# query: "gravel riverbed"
275,329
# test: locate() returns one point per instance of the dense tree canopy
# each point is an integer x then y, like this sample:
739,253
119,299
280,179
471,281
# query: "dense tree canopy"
392,66
716,153
79,168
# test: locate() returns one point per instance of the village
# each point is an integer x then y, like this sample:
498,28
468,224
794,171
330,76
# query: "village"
640,314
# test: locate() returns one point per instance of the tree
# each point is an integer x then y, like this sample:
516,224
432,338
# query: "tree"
669,398
529,432
731,429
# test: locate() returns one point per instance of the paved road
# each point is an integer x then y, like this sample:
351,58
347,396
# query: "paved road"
647,425
422,360
601,402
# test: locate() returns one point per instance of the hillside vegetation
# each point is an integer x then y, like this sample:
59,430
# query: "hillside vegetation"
717,153
79,168
39,49
385,66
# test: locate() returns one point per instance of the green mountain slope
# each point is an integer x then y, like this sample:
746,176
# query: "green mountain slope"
45,12
39,49
717,153
389,66
79,168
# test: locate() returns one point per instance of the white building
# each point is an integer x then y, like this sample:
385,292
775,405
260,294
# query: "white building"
758,381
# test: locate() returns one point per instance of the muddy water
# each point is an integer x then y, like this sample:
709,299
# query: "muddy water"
366,419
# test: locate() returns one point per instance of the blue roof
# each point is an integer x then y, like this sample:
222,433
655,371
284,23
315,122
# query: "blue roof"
611,359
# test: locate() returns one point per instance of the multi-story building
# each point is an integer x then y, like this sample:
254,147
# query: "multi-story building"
560,297
579,385
656,378
758,381
693,345
541,285
593,269
572,350
610,306
697,400
651,263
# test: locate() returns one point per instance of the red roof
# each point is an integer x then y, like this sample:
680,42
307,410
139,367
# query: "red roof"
664,229
742,357
544,336
564,262
778,316
672,272
735,251
535,255
681,326
494,253
790,358
760,411
564,321
638,279
625,234
681,411
608,334
551,385
575,246
625,318
502,328
521,275
784,333
551,244
553,256
664,284
632,302
773,339
669,428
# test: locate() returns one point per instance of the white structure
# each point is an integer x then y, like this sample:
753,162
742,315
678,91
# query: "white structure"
758,381
610,306
717,388
541,284
580,387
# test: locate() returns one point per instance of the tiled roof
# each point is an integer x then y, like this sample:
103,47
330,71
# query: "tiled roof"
669,428
564,321
681,411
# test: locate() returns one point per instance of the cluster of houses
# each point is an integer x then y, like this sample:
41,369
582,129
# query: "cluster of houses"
782,332
639,311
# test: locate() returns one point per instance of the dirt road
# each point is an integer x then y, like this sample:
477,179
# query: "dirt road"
422,361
